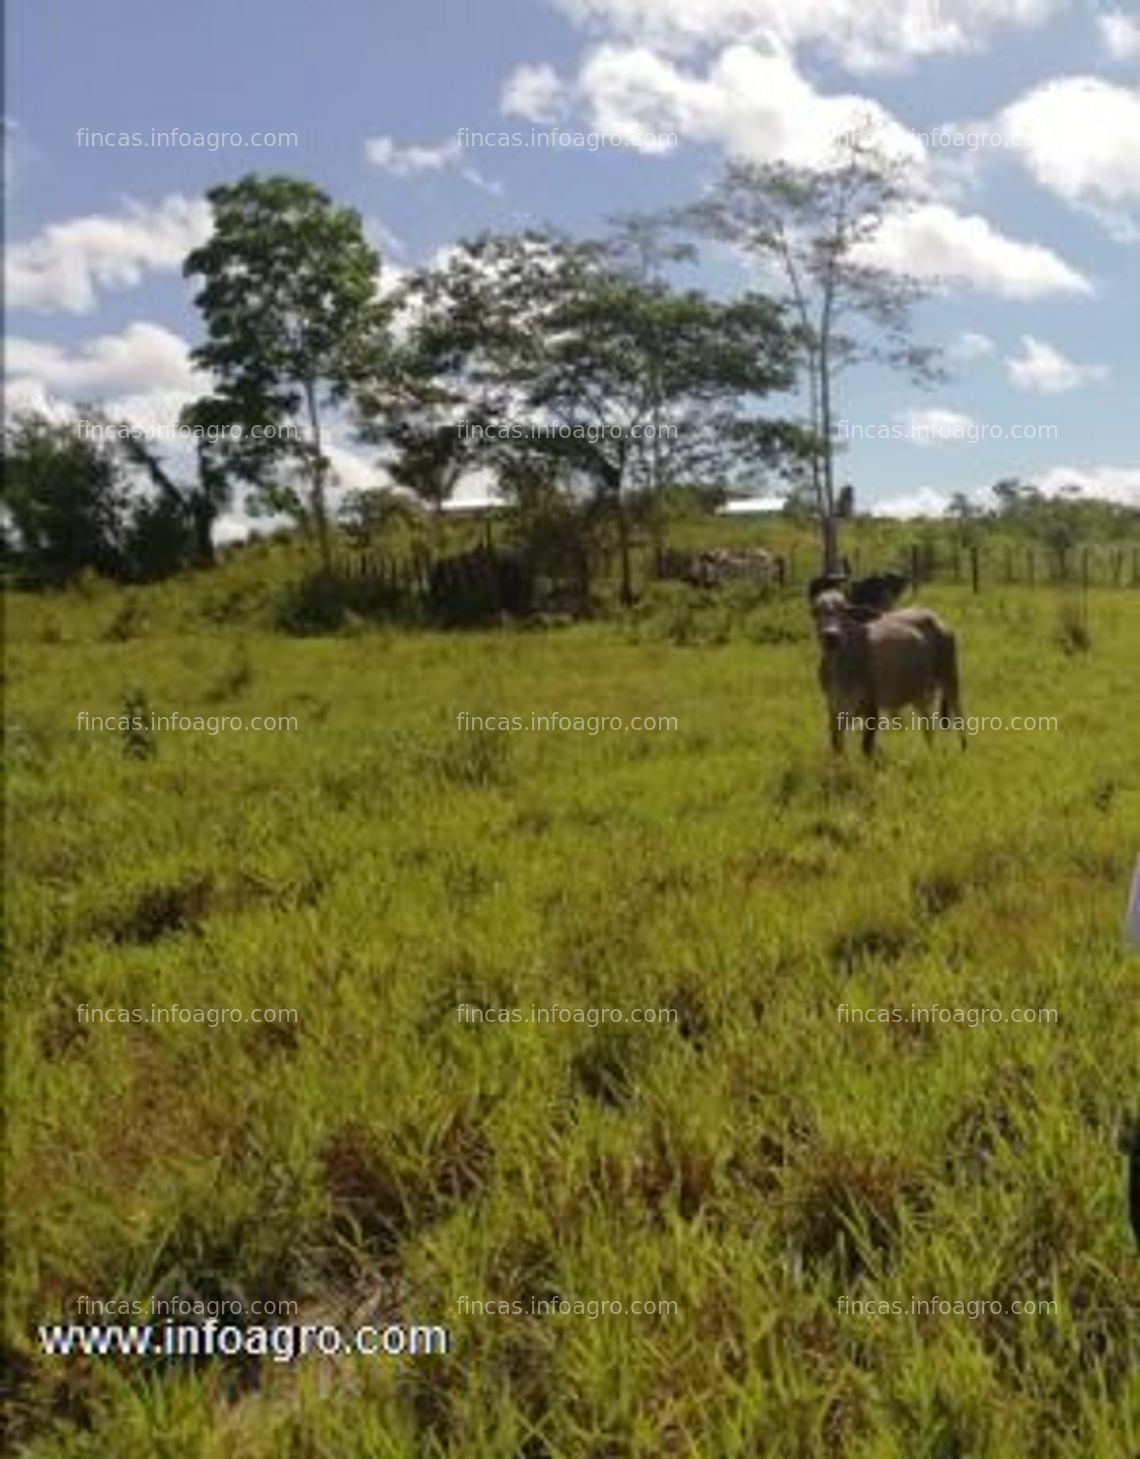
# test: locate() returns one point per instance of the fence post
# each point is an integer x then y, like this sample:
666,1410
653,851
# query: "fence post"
957,564
914,572
1031,565
975,577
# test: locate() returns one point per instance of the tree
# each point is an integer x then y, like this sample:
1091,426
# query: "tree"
961,508
815,224
209,422
434,398
377,514
561,365
65,498
640,246
845,502
293,319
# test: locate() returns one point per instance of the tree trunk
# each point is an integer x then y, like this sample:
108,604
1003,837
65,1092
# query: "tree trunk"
319,505
828,530
623,543
616,476
203,514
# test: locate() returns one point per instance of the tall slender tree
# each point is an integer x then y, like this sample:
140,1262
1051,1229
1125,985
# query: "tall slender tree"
815,225
293,317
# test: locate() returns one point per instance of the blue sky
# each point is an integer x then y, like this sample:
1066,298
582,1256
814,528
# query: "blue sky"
1032,221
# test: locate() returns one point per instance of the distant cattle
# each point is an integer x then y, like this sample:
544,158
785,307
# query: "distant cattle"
873,664
718,565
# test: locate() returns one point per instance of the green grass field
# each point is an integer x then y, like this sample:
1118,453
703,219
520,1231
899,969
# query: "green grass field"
757,1160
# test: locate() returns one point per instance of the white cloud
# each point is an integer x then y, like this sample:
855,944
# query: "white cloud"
537,93
29,396
757,106
934,242
410,161
935,426
65,265
1106,483
389,156
970,345
864,34
1044,369
145,357
1120,34
1119,484
754,103
925,502
1079,137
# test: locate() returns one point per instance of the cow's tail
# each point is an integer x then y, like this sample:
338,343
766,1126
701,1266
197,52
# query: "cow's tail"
948,677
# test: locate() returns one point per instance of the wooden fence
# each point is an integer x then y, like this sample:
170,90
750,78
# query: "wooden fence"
981,568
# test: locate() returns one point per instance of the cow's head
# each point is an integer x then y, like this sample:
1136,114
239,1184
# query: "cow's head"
830,608
836,618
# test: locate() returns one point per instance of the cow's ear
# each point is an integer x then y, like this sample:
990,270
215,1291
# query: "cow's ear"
863,612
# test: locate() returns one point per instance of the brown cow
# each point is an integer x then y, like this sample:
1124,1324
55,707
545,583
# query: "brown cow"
873,664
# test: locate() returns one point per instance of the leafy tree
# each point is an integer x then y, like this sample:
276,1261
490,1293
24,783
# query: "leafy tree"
814,224
442,386
65,500
379,513
293,320
560,366
197,504
962,509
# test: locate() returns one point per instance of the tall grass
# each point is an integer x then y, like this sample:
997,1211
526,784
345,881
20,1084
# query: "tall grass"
760,1161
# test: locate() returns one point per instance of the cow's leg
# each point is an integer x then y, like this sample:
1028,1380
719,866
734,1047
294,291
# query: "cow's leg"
870,713
928,708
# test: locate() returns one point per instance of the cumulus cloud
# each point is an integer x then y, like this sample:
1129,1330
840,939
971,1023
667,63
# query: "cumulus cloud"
752,102
1042,368
1079,136
1120,484
144,357
863,34
933,242
537,93
64,267
1120,35
757,106
1106,483
925,502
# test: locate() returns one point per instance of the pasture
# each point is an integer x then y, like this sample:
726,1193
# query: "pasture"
759,1161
